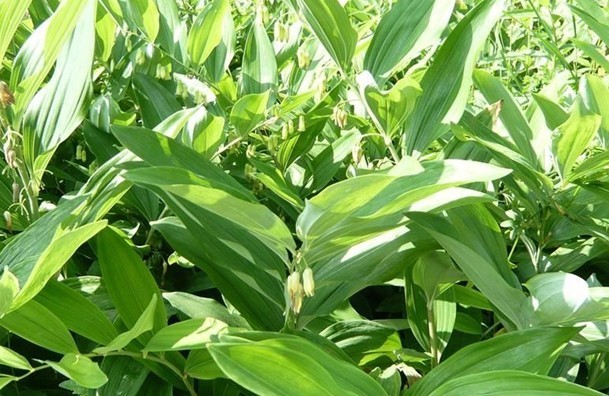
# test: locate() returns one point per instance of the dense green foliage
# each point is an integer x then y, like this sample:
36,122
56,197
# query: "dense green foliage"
304,197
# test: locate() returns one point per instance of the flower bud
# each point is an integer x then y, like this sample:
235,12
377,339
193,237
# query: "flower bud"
251,151
308,283
79,151
285,132
295,291
304,59
140,57
11,159
339,116
9,220
16,192
301,124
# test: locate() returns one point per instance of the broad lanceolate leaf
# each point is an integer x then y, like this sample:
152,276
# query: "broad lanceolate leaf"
533,351
595,96
510,301
35,255
39,53
68,304
408,28
259,68
144,323
330,23
510,114
390,108
206,31
575,136
447,82
279,366
359,208
253,286
81,370
249,112
511,383
13,359
11,15
58,109
38,325
142,15
129,283
9,287
200,307
186,335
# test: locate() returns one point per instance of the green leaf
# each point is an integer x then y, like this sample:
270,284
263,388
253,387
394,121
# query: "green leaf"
128,281
200,307
574,137
339,217
330,23
259,67
510,301
510,383
249,112
35,323
11,15
39,53
143,15
511,115
363,341
277,366
125,376
595,96
186,335
54,257
144,323
6,379
446,84
36,254
58,109
68,305
155,101
13,359
207,30
159,150
533,350
408,28
553,113
391,108
9,287
201,365
560,298
81,370
253,286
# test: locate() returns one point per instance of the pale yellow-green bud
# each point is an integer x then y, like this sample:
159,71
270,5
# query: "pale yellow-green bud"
295,291
248,171
16,192
301,124
9,220
339,116
11,159
285,131
304,59
251,151
273,142
140,57
308,283
79,151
